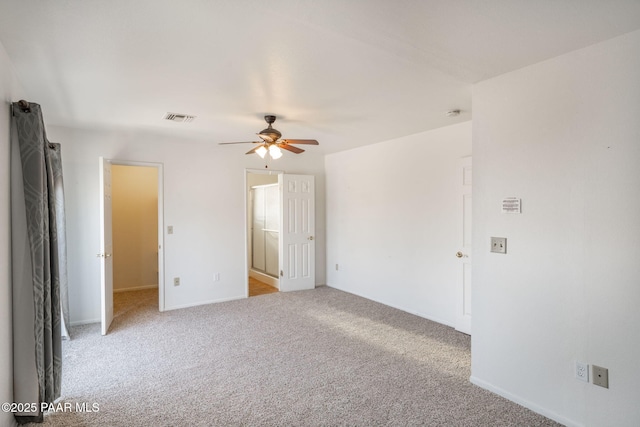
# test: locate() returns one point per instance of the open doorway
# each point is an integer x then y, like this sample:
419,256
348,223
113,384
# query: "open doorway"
295,230
263,232
131,235
134,219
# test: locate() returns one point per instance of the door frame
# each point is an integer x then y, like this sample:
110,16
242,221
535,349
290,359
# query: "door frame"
160,169
248,217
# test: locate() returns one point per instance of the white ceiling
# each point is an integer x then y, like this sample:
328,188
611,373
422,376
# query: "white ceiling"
345,72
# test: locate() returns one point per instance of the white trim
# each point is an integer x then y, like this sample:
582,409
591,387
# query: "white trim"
523,402
269,280
196,304
136,288
406,310
85,322
264,171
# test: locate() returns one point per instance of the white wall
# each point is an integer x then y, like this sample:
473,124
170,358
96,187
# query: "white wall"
10,91
204,200
391,220
564,135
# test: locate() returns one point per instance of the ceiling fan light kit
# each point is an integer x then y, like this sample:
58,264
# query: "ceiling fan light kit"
275,152
261,151
271,142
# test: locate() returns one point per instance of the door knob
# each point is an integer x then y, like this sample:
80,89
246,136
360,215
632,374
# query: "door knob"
459,254
310,238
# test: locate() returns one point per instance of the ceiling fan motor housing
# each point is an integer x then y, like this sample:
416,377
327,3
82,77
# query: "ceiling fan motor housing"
270,134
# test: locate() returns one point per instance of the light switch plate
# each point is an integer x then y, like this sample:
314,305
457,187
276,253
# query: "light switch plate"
499,245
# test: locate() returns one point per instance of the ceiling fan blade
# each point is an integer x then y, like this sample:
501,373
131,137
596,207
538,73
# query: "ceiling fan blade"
243,142
301,141
291,148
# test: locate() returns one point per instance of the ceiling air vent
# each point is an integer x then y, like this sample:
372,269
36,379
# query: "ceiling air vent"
181,118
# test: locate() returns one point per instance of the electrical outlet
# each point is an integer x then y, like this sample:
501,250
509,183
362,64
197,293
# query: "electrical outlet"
582,371
170,229
337,267
176,281
499,245
600,376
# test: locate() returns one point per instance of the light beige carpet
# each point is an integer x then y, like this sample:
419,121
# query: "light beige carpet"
312,358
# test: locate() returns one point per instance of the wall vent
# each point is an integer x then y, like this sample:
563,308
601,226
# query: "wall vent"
181,118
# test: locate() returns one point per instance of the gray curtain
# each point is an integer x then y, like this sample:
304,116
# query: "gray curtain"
38,261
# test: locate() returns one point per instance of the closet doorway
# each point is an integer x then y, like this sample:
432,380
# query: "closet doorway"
131,237
134,198
263,232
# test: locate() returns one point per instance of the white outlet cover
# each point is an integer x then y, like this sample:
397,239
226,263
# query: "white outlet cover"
582,371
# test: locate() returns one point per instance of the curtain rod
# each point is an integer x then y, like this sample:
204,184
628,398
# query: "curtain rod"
26,107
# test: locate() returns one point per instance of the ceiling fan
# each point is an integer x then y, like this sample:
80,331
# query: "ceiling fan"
271,142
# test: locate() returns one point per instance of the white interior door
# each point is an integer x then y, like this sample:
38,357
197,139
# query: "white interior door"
463,317
106,245
297,232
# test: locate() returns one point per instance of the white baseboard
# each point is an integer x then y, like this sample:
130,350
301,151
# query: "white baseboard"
85,322
135,288
523,402
195,304
406,310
